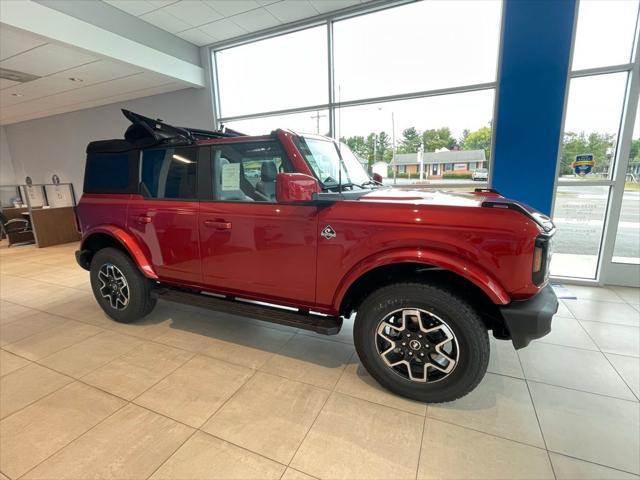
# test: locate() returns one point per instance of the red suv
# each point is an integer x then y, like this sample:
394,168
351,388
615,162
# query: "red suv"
289,228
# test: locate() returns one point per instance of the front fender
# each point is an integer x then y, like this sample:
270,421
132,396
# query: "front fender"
128,242
475,274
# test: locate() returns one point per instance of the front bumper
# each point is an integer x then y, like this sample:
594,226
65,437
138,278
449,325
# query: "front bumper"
83,257
529,319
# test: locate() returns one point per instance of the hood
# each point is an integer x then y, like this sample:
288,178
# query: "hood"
484,198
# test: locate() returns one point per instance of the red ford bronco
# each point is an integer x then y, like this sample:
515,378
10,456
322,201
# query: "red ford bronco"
290,229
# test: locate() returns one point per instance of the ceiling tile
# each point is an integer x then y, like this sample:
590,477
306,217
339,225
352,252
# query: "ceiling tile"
324,6
255,20
47,59
133,7
193,12
227,8
99,71
267,2
292,10
222,29
14,41
161,3
196,36
166,21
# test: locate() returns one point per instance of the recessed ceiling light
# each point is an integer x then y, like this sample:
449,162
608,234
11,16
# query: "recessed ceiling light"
16,95
76,79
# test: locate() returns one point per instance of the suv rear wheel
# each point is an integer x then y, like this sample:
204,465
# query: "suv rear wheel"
421,342
119,287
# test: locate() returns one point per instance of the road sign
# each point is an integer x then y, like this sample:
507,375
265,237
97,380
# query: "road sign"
583,164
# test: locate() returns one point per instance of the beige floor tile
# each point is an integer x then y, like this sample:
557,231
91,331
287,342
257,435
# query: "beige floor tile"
504,359
83,307
41,429
10,312
293,474
563,311
149,328
130,375
607,312
567,468
4,477
629,294
591,427
53,340
601,294
357,382
452,452
585,370
84,357
353,438
130,444
184,339
26,385
309,360
618,339
193,392
629,370
269,415
28,324
251,347
569,333
499,406
10,362
204,457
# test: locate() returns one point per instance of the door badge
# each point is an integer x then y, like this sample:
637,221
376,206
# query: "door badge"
328,232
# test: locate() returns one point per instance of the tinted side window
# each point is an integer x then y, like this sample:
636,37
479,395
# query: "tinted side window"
246,172
109,173
170,173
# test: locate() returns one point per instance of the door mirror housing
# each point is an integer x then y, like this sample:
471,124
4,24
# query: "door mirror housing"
376,177
296,187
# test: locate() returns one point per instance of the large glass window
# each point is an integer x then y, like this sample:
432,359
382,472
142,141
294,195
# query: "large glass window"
604,33
441,83
594,139
274,74
417,47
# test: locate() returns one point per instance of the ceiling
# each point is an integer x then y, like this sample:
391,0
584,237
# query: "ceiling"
203,22
97,80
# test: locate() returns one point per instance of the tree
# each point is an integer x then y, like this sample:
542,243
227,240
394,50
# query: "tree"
383,144
634,151
597,144
357,145
478,140
438,138
410,141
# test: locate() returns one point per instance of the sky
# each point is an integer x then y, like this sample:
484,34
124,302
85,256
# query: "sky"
417,47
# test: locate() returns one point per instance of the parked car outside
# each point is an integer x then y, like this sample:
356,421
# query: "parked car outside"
480,174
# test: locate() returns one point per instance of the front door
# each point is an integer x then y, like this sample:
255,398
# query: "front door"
252,246
165,216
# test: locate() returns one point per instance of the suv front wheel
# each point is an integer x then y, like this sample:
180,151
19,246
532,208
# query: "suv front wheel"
119,287
421,342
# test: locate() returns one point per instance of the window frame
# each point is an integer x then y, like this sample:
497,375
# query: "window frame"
334,104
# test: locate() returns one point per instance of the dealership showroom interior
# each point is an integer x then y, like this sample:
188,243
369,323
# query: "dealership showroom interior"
319,239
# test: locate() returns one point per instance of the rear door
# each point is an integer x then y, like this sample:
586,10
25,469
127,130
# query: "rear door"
251,245
164,217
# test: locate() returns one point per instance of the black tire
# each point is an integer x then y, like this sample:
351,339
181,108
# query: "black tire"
461,319
140,302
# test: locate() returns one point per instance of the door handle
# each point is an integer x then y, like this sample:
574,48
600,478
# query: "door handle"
144,219
218,224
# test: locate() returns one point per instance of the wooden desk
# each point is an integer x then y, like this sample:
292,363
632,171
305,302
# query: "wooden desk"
54,226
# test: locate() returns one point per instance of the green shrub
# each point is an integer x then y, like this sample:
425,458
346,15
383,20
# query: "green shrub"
457,176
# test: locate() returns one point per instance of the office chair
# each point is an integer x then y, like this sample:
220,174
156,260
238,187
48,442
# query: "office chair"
17,230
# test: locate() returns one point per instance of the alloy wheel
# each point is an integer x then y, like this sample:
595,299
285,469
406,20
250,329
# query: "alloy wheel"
114,286
417,345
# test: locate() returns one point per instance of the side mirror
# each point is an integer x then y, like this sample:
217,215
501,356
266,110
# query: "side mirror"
377,178
296,187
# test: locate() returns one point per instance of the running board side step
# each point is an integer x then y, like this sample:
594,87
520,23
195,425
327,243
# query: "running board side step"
289,318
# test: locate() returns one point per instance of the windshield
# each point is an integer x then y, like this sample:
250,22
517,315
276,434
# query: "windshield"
324,160
481,170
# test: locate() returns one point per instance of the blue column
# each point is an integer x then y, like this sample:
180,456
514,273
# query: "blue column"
533,80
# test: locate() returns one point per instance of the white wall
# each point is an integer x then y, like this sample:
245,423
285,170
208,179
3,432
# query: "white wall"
39,148
7,174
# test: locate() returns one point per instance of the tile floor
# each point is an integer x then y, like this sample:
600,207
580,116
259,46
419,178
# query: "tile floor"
191,394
